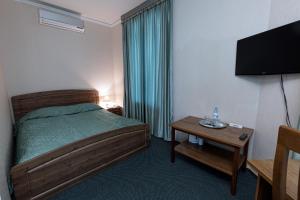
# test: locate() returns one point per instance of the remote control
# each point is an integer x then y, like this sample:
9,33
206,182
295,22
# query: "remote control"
243,136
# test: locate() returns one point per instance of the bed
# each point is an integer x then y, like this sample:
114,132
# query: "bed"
50,158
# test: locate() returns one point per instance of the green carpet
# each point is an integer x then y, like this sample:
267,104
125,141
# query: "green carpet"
149,174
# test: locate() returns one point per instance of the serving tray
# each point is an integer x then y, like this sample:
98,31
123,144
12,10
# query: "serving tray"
210,123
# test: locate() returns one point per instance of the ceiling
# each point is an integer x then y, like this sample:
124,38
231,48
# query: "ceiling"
104,11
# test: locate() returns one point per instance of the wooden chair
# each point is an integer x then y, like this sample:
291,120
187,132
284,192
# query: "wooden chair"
288,139
279,178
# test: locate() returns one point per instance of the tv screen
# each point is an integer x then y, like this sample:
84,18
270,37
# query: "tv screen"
272,52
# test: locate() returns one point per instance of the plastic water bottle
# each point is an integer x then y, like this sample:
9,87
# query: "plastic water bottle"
216,114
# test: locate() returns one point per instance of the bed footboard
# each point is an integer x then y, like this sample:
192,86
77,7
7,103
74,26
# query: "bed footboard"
49,173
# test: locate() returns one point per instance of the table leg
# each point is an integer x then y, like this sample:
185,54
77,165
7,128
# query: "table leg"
235,168
173,145
246,154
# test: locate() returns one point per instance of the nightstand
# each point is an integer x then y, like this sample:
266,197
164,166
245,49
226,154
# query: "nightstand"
116,110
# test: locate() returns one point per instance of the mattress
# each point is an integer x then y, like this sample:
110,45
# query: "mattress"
47,129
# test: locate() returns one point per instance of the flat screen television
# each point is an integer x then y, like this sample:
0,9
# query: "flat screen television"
276,51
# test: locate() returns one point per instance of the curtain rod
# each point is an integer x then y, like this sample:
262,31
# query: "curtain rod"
148,4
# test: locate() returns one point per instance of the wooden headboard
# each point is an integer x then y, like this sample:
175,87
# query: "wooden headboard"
23,104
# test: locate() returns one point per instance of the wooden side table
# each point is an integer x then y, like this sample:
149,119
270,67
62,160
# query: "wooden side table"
227,161
116,110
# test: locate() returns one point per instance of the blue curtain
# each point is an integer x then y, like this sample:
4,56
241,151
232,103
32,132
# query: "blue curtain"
147,47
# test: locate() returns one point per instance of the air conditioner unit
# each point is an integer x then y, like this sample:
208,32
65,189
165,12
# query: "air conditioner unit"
65,21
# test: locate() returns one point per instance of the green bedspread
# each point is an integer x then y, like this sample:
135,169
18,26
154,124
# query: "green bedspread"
49,128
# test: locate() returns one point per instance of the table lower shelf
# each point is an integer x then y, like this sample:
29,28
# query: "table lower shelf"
215,157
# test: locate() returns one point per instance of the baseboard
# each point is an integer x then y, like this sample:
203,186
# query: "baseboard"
252,170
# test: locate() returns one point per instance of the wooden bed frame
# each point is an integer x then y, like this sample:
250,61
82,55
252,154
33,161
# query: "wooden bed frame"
53,171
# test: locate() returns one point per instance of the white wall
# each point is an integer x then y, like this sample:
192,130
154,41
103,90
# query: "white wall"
271,112
205,36
5,139
39,58
118,64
